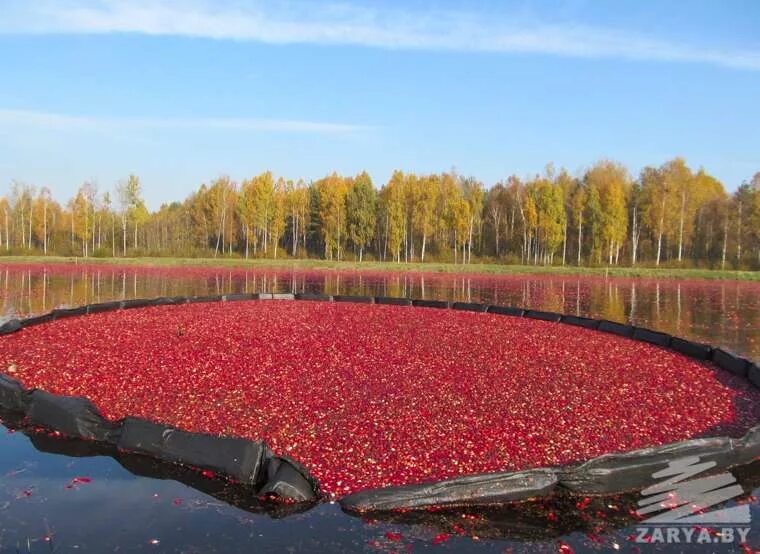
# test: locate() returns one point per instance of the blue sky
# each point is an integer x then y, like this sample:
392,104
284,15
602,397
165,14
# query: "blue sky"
182,92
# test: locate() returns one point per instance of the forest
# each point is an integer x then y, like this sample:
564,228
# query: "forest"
671,215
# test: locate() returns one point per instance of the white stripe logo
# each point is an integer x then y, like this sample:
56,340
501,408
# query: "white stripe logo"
686,502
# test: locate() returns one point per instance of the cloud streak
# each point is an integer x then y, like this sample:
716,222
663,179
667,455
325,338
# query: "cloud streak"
28,118
345,24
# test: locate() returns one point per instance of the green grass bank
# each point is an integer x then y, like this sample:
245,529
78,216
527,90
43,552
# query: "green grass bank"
474,268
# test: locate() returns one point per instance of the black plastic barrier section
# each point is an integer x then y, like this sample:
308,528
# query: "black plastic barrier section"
469,307
690,348
103,307
238,297
13,397
506,310
198,299
10,327
584,322
543,316
484,489
246,462
652,337
236,458
607,474
37,320
253,465
313,297
393,301
68,312
616,328
244,497
286,478
430,303
633,470
355,299
72,416
730,362
753,374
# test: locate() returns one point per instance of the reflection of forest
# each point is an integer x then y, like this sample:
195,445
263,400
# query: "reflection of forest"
719,312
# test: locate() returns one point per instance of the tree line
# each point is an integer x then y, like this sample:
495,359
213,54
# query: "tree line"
669,214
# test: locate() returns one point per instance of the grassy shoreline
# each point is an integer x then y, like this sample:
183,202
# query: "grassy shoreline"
476,268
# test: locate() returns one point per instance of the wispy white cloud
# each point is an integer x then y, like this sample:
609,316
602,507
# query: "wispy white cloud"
278,22
27,118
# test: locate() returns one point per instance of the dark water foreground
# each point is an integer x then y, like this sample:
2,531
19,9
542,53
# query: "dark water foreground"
76,500
58,496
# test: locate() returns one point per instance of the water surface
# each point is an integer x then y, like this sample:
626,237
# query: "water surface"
725,313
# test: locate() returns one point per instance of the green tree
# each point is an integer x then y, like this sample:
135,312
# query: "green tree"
613,184
495,207
701,227
298,203
332,191
656,205
132,207
594,218
361,208
472,191
578,208
566,184
678,181
82,216
246,210
278,214
392,214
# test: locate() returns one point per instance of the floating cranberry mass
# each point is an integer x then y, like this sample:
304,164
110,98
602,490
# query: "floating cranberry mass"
369,396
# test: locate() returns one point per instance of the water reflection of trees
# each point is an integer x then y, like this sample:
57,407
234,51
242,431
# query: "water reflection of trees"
719,312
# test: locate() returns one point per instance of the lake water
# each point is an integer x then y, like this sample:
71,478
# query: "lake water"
57,497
